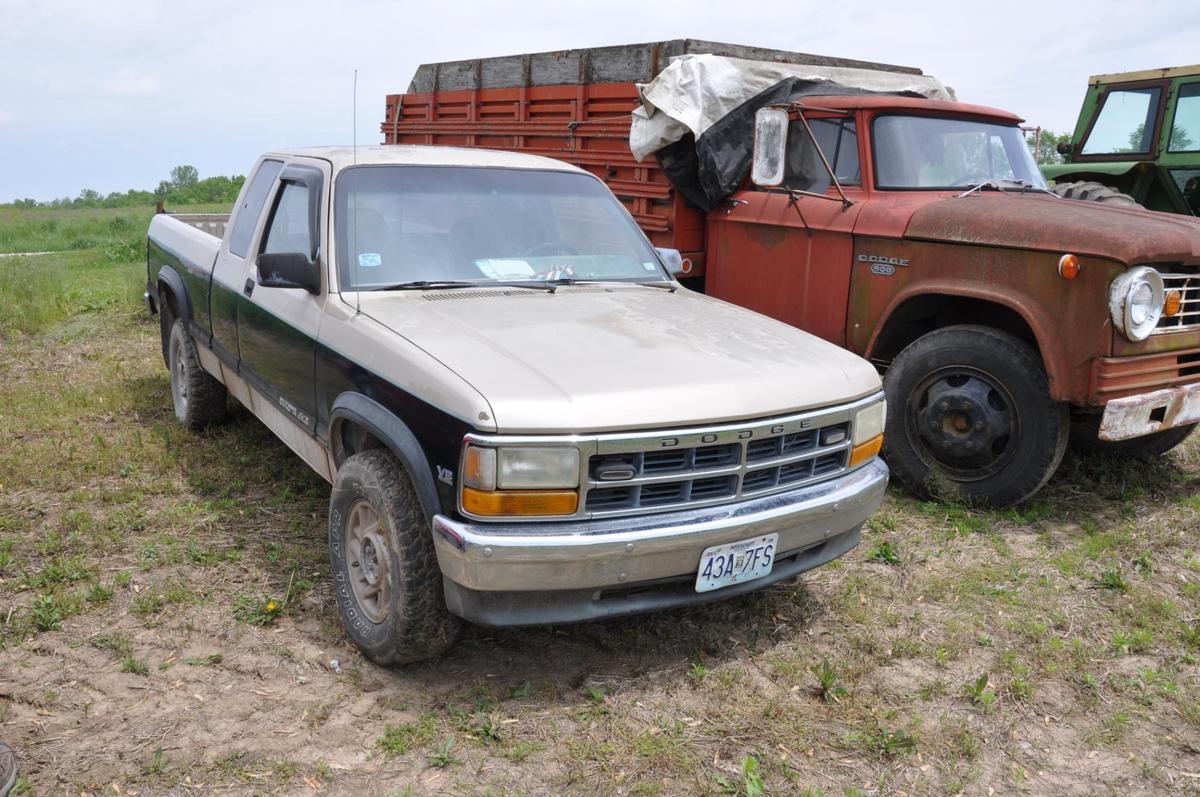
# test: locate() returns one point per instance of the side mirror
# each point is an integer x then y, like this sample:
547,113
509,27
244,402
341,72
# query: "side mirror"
1064,148
770,147
288,270
673,259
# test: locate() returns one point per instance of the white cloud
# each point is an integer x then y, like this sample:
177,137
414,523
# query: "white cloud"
6,119
128,83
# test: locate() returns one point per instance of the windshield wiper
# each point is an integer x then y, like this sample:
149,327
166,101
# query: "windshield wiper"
433,285
1022,186
665,284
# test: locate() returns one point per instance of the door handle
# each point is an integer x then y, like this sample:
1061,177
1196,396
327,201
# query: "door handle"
733,203
249,289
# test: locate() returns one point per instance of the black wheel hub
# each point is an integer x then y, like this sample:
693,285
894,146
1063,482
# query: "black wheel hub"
965,421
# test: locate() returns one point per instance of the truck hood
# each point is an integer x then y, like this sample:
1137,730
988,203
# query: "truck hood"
1037,221
600,358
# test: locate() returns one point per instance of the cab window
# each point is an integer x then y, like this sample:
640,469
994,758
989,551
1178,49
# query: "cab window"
251,207
1125,123
1185,129
288,229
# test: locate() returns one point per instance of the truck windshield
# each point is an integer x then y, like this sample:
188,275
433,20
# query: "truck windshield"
926,152
398,225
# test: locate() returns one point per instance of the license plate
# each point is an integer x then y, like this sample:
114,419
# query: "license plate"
735,562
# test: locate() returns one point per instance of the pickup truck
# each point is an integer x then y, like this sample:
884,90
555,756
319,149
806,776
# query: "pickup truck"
524,417
913,229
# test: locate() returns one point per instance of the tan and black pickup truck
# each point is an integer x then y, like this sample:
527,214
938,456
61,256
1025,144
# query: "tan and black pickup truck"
524,417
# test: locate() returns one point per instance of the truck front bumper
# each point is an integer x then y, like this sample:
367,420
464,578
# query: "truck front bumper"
534,573
1135,416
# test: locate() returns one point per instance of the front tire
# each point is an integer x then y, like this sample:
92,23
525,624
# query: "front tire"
970,417
199,399
1085,439
386,577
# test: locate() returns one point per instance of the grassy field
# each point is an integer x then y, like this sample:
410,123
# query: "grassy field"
166,624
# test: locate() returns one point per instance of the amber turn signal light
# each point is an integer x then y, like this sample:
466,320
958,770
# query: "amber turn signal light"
519,502
864,451
1068,267
1172,303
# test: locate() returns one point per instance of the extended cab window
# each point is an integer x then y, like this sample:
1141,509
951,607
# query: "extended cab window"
928,152
1185,129
251,207
1125,123
288,229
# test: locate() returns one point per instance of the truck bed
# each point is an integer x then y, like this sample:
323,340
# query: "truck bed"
573,105
189,244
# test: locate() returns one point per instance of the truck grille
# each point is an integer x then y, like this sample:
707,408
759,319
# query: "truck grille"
1189,315
690,469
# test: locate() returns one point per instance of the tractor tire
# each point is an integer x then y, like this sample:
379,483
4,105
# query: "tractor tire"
199,399
386,578
1085,439
970,417
1091,191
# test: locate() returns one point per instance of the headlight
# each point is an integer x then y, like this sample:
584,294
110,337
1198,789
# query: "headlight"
520,480
1135,302
868,432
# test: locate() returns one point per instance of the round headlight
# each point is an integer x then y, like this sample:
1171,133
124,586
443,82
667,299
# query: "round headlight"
1136,302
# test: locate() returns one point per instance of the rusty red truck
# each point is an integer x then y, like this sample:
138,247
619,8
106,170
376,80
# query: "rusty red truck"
884,216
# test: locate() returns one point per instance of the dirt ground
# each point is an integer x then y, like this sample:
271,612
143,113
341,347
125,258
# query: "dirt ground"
1048,650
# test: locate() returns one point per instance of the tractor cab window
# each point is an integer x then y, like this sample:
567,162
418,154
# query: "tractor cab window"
1185,128
1125,123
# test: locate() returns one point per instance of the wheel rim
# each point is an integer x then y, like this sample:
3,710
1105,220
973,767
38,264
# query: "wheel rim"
368,561
964,422
179,382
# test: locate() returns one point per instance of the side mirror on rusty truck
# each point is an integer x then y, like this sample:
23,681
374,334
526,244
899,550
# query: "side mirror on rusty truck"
770,147
673,259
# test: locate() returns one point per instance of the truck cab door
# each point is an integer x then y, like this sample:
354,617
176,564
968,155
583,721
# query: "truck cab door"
792,260
278,326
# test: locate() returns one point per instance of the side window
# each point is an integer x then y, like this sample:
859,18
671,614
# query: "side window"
1185,128
838,139
1125,123
251,207
287,231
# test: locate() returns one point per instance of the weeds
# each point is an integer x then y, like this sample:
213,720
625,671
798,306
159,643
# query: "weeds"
444,756
750,784
884,553
979,692
829,685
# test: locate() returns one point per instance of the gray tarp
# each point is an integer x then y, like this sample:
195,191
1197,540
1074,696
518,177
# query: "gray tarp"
694,91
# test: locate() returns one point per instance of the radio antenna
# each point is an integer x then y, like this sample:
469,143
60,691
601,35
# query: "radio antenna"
354,212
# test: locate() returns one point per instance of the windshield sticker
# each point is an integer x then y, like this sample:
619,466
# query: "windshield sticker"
649,266
501,269
370,260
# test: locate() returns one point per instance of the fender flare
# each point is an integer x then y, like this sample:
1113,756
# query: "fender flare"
394,434
175,282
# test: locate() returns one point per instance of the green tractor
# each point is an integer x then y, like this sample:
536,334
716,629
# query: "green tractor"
1137,141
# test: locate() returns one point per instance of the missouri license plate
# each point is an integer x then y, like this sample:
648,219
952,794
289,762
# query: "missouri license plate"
735,562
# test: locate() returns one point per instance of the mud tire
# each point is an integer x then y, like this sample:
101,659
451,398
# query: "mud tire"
412,623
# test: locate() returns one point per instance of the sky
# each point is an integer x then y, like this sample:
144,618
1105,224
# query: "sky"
110,95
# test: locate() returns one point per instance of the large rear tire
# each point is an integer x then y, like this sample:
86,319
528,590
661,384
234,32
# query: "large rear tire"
1091,191
970,417
386,577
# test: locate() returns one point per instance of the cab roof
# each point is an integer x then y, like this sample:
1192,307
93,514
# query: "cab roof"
892,102
342,157
1145,74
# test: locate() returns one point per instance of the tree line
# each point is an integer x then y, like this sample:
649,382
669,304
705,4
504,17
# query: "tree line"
183,187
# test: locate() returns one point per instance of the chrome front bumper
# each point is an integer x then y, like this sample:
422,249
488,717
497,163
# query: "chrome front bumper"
488,566
1135,416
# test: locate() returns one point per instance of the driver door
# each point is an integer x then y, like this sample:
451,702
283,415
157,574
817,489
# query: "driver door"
791,260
